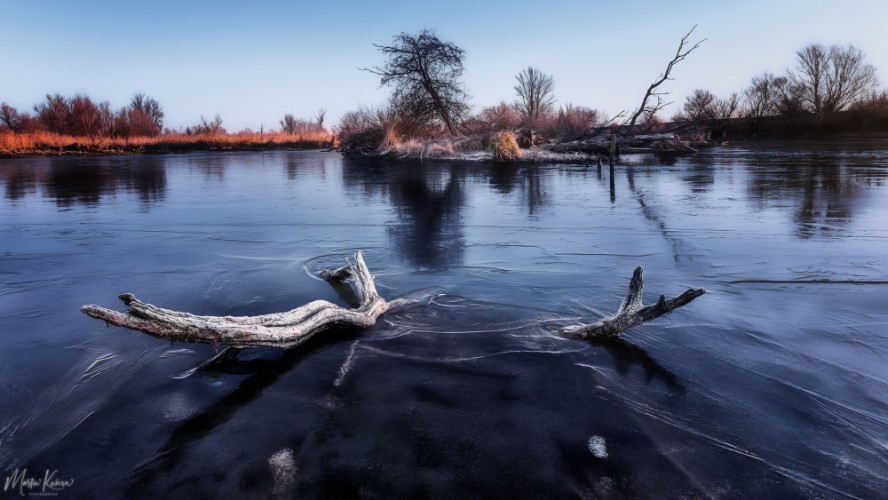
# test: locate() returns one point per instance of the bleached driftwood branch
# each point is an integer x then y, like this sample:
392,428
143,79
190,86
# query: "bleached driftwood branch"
632,312
292,328
285,329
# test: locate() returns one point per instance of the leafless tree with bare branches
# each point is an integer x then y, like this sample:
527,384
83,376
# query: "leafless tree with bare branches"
703,105
829,79
425,73
289,124
535,94
680,54
9,117
760,98
145,115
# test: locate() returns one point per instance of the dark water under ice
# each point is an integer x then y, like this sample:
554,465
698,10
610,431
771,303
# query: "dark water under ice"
774,384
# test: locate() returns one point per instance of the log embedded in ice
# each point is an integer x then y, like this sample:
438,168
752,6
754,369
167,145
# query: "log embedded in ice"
632,312
285,329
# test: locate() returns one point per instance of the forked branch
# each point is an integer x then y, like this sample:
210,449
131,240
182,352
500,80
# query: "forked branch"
680,54
285,329
632,312
292,328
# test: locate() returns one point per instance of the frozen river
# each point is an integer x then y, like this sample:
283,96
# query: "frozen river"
773,384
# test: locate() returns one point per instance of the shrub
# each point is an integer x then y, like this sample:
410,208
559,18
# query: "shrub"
504,147
384,129
575,121
360,130
493,119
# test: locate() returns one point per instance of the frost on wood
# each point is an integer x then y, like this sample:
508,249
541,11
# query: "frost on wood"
632,312
285,329
292,328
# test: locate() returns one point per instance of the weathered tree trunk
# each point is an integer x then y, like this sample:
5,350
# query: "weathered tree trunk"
292,328
646,143
285,330
632,312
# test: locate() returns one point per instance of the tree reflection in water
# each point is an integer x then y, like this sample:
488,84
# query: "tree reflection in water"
825,188
427,201
86,180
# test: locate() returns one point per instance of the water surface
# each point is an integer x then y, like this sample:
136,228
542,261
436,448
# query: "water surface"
773,384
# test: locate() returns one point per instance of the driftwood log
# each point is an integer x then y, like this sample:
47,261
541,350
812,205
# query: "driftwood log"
292,328
632,312
647,143
285,329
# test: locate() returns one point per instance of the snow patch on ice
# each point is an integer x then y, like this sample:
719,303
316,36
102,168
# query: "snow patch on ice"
597,446
283,470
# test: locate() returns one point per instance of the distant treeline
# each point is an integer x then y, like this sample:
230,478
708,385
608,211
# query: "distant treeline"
80,116
829,90
77,124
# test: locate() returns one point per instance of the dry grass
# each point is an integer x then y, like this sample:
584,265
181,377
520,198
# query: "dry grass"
48,142
505,147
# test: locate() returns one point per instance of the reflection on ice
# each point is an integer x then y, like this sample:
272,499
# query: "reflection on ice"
774,385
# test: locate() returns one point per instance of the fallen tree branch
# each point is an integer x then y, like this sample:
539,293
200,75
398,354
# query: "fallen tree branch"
292,328
285,329
680,54
632,312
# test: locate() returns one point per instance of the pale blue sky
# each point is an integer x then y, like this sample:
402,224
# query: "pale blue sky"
252,62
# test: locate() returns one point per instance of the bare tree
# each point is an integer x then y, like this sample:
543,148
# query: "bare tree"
145,116
106,119
211,127
425,73
9,117
699,105
319,117
828,80
84,119
703,105
760,98
680,54
873,103
725,109
54,114
288,124
535,94
789,97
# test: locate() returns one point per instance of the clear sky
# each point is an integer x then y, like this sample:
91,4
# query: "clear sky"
254,61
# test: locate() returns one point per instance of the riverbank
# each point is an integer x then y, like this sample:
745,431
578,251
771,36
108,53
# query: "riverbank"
45,144
477,149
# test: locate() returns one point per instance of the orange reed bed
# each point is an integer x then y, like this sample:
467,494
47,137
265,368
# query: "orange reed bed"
47,143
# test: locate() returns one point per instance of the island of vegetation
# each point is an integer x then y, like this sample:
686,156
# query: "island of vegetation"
827,91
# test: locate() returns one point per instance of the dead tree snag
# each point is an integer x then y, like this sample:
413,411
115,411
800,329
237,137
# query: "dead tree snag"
285,329
632,312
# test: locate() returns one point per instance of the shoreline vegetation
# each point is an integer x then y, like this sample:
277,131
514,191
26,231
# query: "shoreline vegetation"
38,144
77,125
829,92
499,146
